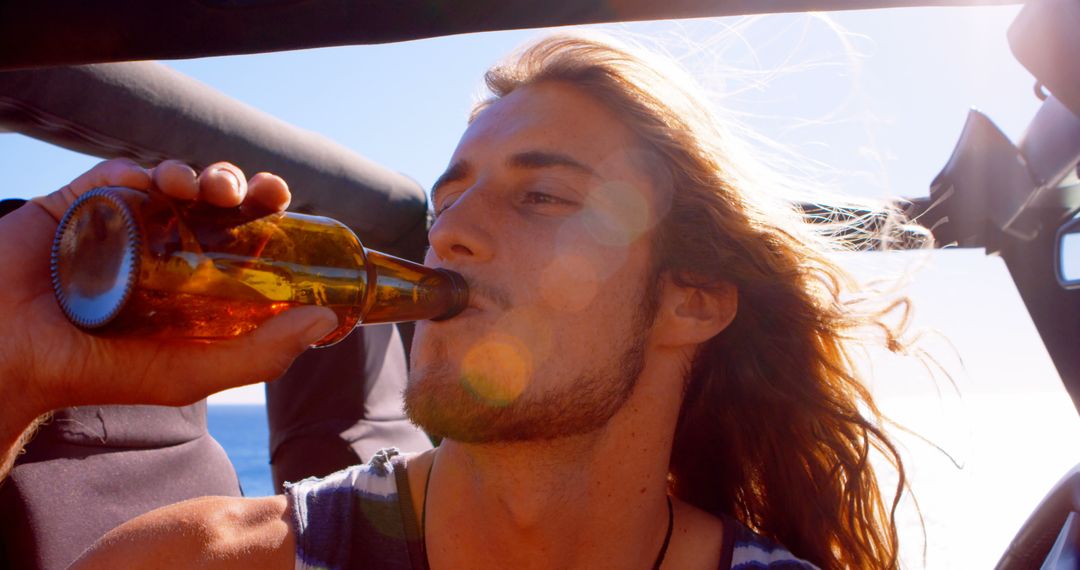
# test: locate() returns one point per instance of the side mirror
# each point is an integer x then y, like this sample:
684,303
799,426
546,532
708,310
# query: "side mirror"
1068,254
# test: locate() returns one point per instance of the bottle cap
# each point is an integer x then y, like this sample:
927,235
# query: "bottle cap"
95,258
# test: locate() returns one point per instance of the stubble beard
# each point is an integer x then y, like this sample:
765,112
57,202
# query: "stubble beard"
438,401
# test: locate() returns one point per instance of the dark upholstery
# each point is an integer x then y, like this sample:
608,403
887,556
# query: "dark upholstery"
83,32
148,112
337,406
90,469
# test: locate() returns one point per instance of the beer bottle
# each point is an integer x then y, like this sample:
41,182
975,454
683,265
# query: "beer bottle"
126,262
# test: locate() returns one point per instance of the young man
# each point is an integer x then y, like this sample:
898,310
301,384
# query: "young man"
652,362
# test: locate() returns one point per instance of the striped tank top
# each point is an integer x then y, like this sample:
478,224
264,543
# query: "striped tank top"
363,517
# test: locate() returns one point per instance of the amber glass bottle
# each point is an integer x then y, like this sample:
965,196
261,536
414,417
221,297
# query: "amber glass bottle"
126,262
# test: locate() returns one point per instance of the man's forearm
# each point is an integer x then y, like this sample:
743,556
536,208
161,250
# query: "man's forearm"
14,440
15,429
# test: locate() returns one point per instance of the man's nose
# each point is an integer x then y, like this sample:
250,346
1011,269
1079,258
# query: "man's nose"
462,231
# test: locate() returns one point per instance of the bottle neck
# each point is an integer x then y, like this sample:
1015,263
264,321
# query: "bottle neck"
407,291
459,292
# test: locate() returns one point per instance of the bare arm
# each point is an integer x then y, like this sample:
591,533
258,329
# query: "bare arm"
211,532
12,440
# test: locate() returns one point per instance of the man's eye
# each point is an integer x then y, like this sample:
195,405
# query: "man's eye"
544,198
440,208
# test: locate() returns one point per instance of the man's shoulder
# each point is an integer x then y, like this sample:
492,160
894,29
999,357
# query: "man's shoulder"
363,510
210,532
374,479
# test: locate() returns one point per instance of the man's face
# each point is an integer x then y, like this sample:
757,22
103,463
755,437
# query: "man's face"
548,212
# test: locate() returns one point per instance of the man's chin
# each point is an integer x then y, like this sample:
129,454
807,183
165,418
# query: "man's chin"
445,407
517,403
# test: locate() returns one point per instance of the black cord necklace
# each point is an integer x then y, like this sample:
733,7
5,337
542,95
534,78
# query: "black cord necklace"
423,523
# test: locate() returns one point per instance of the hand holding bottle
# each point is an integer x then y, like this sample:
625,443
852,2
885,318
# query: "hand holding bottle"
47,363
143,264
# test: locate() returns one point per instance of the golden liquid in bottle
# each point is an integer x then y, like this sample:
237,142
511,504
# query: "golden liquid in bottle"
205,274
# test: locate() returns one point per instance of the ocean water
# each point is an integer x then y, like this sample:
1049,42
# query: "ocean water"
242,431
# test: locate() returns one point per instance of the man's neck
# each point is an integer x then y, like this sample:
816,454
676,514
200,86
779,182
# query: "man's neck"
592,500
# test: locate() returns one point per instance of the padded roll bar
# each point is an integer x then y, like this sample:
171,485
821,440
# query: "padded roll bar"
148,112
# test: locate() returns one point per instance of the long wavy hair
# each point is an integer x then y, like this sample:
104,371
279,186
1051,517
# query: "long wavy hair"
776,427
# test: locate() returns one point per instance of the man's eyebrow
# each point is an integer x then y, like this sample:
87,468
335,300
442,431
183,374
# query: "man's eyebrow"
457,171
529,160
543,159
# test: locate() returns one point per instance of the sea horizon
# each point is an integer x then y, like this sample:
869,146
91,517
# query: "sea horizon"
242,431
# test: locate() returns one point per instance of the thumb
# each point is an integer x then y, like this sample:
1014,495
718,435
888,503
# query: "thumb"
262,355
271,348
295,330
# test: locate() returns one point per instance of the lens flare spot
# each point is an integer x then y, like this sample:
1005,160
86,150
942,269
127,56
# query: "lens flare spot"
528,328
496,370
620,213
569,283
604,261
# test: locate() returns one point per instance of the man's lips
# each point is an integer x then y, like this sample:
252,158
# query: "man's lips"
465,314
482,296
479,304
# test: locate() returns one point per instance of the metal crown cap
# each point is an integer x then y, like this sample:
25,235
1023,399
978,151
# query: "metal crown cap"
95,258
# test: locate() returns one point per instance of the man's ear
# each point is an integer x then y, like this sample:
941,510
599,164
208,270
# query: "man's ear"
689,316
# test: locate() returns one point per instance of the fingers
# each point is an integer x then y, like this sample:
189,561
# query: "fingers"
176,179
115,172
266,193
222,184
